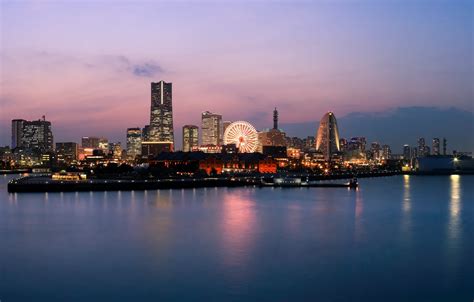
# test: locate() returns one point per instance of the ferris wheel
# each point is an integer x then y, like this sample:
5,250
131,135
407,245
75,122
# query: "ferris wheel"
243,135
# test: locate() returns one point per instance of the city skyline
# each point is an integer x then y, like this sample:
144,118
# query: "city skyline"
417,55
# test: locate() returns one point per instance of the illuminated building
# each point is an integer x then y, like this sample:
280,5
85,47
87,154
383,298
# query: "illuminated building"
34,134
103,144
152,149
386,152
272,137
444,146
161,113
375,151
211,129
134,143
327,141
67,152
207,149
406,152
146,133
115,149
343,144
190,137
423,149
90,142
17,133
436,146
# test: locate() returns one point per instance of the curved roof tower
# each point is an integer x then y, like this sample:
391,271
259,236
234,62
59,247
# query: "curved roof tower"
327,138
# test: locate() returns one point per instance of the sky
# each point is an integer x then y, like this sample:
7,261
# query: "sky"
87,65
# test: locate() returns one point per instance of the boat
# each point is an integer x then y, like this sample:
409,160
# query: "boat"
298,182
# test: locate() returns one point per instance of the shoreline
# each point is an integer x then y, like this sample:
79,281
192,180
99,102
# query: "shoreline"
32,184
43,184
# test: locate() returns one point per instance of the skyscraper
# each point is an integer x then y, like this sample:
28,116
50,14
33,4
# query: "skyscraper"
444,146
386,152
161,114
17,132
406,152
376,151
275,119
421,147
190,137
36,135
435,146
134,143
211,129
327,141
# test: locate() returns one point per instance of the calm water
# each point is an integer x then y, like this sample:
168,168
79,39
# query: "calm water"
397,238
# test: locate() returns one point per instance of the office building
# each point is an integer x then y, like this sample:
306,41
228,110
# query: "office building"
190,137
211,129
386,152
327,141
161,113
436,147
34,134
134,143
406,152
67,152
17,133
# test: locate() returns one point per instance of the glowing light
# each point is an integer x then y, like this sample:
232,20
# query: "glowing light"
243,135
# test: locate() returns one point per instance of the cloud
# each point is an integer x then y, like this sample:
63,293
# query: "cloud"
147,69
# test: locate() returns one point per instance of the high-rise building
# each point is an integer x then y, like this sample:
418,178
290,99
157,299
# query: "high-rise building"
115,150
375,151
275,119
190,137
406,152
67,152
343,144
90,142
211,129
161,113
327,141
17,132
36,135
386,152
134,143
146,133
444,146
436,146
422,148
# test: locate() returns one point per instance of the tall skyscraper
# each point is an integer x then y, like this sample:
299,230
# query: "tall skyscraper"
421,147
34,134
17,132
327,141
190,137
134,143
275,119
435,146
161,114
211,129
406,152
386,152
376,151
444,146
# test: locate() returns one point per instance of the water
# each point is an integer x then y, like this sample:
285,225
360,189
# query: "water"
401,238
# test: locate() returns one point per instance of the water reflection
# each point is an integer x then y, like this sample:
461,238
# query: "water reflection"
454,208
358,225
238,230
406,221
